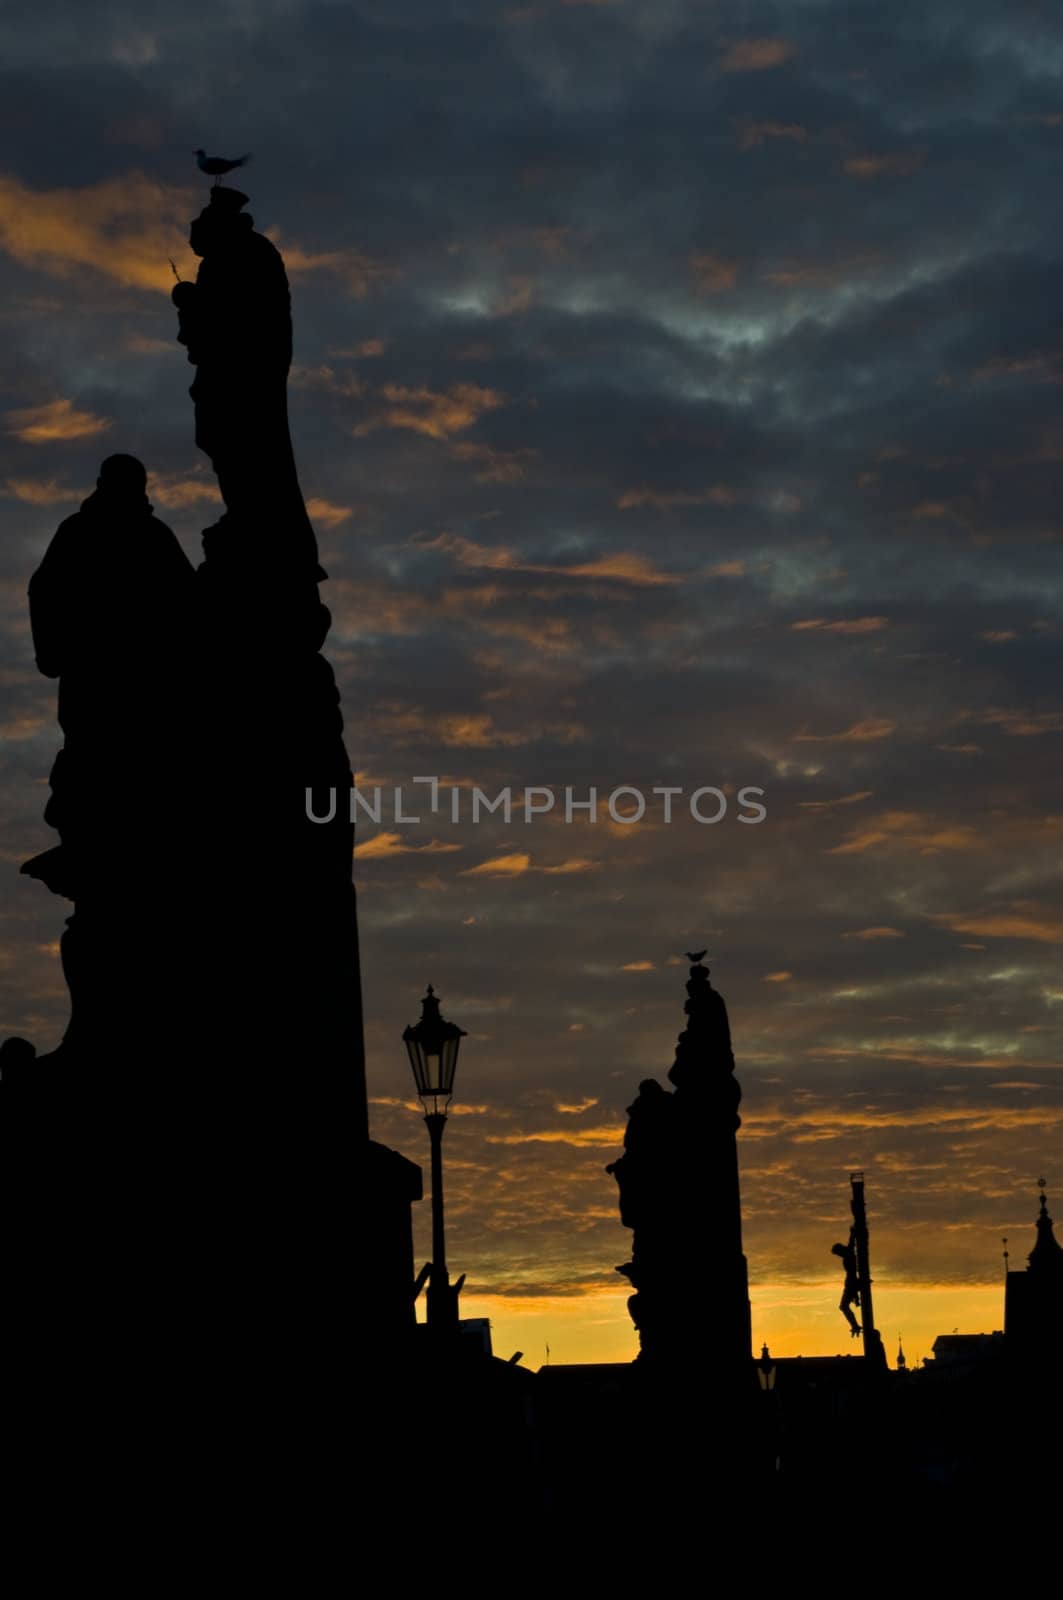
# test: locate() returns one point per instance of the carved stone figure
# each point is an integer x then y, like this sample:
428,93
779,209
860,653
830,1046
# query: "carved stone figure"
851,1288
235,322
110,610
678,1182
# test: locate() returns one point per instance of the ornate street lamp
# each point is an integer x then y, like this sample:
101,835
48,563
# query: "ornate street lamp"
432,1046
766,1371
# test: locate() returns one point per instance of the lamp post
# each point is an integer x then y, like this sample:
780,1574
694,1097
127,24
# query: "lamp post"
432,1046
766,1371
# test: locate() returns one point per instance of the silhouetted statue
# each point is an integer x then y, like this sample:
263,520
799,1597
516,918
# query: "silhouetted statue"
642,1172
111,614
851,1288
235,321
678,1181
112,580
188,1176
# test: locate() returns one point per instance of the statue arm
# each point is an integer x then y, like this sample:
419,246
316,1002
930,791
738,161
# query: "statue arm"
188,300
46,627
51,612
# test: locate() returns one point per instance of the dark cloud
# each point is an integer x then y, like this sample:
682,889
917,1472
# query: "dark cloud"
677,388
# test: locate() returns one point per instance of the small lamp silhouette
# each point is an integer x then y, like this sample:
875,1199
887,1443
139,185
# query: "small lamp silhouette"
432,1045
766,1370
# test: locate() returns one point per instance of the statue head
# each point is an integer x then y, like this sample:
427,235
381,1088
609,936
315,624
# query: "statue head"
839,1250
15,1055
220,222
124,477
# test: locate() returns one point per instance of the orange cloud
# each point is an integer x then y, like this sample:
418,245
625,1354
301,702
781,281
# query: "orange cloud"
177,494
790,273
622,566
713,274
496,466
471,730
719,494
1019,923
581,1138
142,344
124,228
638,966
55,420
511,866
474,730
359,272
393,844
910,830
128,229
865,732
753,134
1024,724
874,933
1042,364
832,1122
519,296
777,977
855,625
727,569
43,492
552,636
935,511
25,726
327,514
900,164
435,413
506,866
842,800
328,380
757,55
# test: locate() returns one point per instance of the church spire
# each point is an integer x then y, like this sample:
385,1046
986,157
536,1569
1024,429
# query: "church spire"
1047,1253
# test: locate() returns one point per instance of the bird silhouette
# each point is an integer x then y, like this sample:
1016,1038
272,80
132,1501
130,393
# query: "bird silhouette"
217,166
694,956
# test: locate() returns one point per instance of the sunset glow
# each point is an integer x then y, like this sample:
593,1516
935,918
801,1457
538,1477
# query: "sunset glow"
677,407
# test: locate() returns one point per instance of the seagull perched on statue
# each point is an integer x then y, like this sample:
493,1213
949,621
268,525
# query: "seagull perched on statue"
217,166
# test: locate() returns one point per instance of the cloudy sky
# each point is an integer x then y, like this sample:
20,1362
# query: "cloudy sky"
677,397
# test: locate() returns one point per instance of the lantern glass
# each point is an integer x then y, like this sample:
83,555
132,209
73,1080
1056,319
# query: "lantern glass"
433,1073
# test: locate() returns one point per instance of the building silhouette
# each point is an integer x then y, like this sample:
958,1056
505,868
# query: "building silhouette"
1033,1297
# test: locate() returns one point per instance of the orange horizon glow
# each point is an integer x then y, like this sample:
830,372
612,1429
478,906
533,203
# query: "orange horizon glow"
792,1319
